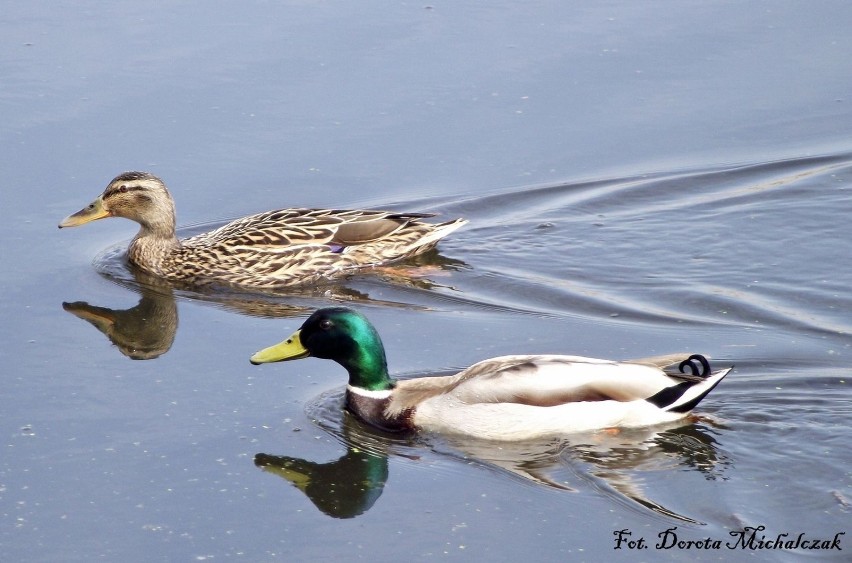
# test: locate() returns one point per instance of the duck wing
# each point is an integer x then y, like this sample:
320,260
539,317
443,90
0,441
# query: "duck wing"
288,246
556,380
371,226
272,230
297,226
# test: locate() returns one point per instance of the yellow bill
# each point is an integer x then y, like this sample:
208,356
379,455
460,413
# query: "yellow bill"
91,212
290,349
298,478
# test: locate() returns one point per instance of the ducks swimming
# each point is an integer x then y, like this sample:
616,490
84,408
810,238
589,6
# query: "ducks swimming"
268,250
505,398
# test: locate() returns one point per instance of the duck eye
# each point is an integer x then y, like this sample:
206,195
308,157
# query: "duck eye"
326,324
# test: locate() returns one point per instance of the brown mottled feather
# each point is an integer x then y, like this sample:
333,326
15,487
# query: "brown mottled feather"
267,250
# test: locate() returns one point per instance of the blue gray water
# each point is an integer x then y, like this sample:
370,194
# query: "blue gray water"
640,179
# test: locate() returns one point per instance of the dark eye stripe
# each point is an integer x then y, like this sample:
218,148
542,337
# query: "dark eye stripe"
126,189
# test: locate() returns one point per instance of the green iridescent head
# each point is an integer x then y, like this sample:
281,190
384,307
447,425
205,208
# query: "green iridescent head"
340,334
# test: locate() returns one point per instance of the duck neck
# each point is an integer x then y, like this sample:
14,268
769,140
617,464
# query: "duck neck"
151,246
368,368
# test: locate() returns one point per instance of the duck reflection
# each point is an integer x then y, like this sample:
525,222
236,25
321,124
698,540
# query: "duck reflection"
343,488
147,330
616,460
614,463
611,461
143,332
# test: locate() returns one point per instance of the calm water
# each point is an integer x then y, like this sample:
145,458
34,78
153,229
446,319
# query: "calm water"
640,180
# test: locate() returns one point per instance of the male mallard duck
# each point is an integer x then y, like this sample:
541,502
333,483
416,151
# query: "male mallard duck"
268,250
505,398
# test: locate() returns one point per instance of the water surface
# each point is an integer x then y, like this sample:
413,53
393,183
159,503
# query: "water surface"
639,181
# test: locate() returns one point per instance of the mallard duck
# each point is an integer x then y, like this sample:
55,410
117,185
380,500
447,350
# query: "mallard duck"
505,398
268,250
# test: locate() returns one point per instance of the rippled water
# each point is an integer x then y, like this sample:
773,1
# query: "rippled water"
620,267
624,209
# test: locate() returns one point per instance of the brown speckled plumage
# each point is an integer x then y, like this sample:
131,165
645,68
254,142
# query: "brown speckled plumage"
268,250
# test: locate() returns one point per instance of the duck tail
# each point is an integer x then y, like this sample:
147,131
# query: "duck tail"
431,238
685,396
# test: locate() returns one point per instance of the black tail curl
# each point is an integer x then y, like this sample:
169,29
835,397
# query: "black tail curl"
697,364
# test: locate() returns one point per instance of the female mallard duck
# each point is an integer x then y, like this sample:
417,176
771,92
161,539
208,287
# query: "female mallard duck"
505,398
268,250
